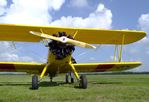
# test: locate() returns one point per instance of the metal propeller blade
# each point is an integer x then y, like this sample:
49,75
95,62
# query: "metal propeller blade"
64,39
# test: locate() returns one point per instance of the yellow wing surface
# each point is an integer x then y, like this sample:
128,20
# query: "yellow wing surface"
33,68
84,67
10,32
106,67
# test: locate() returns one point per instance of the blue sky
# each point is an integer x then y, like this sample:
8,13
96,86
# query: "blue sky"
108,14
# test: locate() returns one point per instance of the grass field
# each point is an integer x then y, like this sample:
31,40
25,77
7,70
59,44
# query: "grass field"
101,88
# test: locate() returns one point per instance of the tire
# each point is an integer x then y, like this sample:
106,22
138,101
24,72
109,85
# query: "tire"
67,78
35,82
71,77
72,80
83,82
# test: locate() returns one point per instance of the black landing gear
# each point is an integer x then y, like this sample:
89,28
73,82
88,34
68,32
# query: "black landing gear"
83,82
69,77
35,84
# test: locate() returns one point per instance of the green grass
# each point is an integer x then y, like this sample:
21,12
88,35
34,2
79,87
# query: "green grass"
101,88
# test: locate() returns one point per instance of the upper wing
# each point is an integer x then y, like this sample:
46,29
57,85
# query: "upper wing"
34,68
10,32
106,67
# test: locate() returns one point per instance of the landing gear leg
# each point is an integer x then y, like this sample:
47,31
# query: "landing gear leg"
81,79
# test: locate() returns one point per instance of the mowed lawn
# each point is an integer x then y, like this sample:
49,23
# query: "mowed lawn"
101,88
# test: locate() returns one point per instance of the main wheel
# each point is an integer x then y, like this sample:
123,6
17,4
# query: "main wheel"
72,80
83,82
67,78
72,77
35,82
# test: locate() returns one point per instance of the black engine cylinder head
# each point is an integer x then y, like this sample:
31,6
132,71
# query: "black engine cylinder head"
61,50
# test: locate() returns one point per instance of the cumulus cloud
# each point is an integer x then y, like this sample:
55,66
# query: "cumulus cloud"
14,57
144,25
9,53
144,22
39,13
25,12
78,3
55,4
100,18
31,11
3,4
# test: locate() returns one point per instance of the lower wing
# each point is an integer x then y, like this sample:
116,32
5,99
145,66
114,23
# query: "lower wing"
106,67
36,68
33,68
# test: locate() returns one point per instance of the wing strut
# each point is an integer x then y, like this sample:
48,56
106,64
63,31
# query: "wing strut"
74,71
115,52
44,71
82,80
76,32
119,50
120,54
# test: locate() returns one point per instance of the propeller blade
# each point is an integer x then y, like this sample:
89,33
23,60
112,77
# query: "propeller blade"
81,44
45,36
64,39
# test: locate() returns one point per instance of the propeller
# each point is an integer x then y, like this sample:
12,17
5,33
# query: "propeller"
63,39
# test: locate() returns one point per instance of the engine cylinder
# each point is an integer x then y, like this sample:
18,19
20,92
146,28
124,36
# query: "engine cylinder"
61,50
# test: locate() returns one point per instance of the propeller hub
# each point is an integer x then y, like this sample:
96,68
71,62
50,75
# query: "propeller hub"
63,39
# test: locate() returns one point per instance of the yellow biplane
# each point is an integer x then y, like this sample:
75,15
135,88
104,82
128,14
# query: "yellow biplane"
61,44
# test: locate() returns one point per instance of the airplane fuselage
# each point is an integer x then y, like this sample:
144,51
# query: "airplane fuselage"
57,65
59,55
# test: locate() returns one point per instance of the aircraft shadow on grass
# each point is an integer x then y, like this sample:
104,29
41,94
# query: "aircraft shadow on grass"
51,84
42,84
15,83
106,82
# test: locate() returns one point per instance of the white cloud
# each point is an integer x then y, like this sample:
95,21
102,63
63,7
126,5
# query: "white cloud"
31,11
9,53
78,3
8,57
144,22
37,13
144,41
144,25
56,4
3,3
100,18
7,47
14,57
25,12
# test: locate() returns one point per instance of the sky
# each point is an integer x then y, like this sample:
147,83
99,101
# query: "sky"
107,14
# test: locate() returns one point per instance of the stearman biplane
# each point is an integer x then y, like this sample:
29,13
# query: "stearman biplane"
61,44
